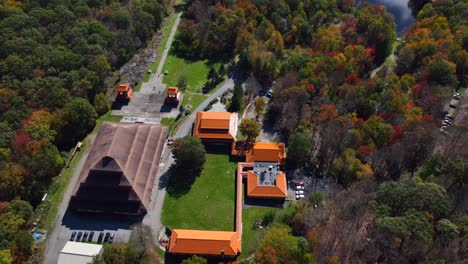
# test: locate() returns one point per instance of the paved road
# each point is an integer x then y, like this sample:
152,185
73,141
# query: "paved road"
153,217
186,127
156,78
59,233
54,243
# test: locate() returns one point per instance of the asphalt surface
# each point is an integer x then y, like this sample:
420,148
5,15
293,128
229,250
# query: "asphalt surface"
153,217
55,241
155,81
66,222
186,127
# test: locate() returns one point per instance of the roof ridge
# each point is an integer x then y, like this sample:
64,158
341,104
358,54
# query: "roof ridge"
105,123
155,157
132,181
148,175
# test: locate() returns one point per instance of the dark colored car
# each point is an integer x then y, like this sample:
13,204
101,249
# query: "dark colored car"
106,237
111,238
91,236
73,235
85,237
78,238
101,236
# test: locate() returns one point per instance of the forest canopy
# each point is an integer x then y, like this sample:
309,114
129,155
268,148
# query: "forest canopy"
54,59
364,107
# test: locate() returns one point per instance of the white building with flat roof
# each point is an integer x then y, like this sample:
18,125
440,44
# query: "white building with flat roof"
79,253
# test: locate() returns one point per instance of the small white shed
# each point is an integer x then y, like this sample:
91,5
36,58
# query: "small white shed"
79,253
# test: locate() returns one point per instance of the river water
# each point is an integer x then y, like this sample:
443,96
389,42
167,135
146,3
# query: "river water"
400,10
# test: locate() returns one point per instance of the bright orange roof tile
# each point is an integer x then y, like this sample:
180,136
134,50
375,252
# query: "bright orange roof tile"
266,151
204,242
255,190
215,125
123,87
172,90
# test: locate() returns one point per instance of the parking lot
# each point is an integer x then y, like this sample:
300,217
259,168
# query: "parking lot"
116,227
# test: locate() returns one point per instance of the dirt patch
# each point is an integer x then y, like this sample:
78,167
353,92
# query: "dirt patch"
134,70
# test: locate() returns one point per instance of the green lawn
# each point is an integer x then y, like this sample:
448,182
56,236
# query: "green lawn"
249,235
193,99
209,204
169,122
166,30
388,61
194,71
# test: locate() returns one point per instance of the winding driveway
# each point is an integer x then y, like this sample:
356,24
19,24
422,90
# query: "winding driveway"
186,127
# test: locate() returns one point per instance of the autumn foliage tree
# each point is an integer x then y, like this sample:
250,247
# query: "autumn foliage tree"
250,128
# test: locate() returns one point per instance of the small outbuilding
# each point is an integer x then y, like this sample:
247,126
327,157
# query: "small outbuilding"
172,96
124,92
79,253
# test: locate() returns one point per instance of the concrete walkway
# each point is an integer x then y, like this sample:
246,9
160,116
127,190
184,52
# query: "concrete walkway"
157,77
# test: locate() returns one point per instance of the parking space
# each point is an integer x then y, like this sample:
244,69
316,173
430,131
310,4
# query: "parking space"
305,183
99,237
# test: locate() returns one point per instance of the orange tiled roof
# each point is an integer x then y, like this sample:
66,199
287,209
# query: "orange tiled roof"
172,90
266,151
255,190
215,125
123,87
204,242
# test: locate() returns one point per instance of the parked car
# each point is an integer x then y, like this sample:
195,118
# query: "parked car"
446,121
91,236
299,187
111,238
170,142
300,184
73,235
101,236
85,236
456,96
78,238
300,192
269,94
299,196
106,237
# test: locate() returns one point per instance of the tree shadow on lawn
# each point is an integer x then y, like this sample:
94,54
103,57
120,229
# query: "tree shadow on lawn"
178,186
180,50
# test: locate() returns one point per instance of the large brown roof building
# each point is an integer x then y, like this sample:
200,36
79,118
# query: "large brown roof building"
119,173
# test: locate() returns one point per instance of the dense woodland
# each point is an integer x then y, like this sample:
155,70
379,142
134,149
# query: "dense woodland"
54,58
403,184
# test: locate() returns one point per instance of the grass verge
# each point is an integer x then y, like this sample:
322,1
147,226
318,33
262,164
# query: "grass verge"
209,204
194,71
251,236
169,122
193,99
60,183
166,31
